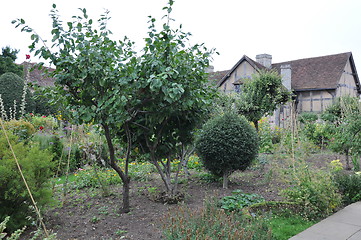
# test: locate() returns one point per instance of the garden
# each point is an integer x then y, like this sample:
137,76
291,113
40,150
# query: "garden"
131,145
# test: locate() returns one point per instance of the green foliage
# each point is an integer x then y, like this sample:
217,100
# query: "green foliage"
195,163
227,143
308,117
42,105
21,128
210,222
319,132
95,177
36,165
349,185
12,87
209,177
152,101
7,62
268,136
15,235
286,226
239,200
346,116
314,191
45,123
261,95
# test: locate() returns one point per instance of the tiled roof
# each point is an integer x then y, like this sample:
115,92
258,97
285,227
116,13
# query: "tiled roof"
37,76
215,77
318,72
307,74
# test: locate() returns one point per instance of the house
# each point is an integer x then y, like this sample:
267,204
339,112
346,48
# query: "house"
37,76
316,82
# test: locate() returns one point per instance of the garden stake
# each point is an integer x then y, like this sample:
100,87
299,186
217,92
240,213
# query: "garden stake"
25,182
68,165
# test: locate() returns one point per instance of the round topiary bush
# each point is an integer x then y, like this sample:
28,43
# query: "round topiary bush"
227,143
12,87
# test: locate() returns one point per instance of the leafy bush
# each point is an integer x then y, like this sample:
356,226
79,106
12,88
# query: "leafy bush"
95,177
195,163
42,105
227,143
268,136
239,200
15,235
349,185
308,117
59,147
21,128
36,165
210,222
45,123
314,191
11,90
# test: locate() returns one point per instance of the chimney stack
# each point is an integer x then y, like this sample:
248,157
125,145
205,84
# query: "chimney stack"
209,69
265,60
286,74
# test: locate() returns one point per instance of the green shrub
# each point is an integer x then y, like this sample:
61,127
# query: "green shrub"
42,105
95,177
314,191
239,200
11,90
36,165
45,123
268,136
210,222
349,185
308,117
21,128
14,236
227,143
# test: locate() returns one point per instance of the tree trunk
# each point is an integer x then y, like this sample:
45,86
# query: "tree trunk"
125,178
256,125
225,180
126,187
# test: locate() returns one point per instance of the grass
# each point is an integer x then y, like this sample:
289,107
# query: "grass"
62,179
285,227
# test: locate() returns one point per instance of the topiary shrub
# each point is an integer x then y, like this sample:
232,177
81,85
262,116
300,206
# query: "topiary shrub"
227,143
12,87
36,165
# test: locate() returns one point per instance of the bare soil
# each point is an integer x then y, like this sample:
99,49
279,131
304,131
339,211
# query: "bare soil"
86,214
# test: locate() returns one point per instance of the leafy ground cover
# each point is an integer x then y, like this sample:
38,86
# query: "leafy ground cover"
88,213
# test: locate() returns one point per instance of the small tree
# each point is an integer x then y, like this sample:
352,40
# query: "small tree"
170,95
227,143
345,116
7,62
261,95
92,80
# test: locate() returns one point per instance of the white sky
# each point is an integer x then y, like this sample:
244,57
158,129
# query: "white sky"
286,29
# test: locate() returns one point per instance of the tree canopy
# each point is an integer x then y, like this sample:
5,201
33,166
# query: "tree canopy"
261,95
152,100
7,62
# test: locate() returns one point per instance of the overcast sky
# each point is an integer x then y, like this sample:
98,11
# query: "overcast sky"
288,30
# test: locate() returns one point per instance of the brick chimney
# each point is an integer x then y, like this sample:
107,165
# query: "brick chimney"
209,69
264,59
286,74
